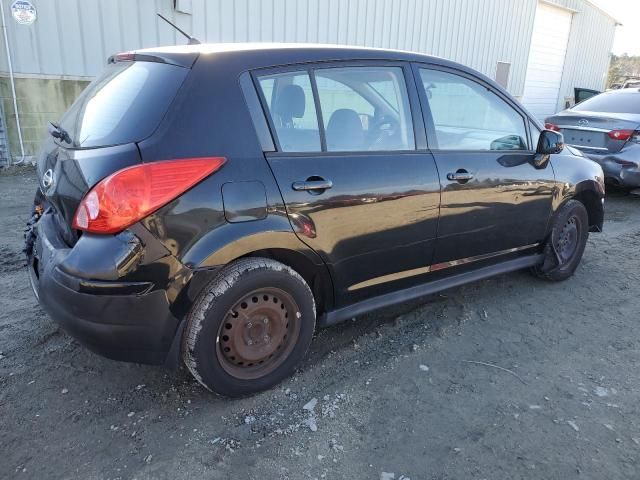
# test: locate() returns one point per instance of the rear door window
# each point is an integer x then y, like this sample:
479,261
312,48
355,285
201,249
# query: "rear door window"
362,108
124,104
292,109
365,109
469,116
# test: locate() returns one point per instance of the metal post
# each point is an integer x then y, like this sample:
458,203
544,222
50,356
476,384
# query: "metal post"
13,86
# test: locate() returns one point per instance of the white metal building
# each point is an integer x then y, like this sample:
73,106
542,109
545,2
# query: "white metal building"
539,49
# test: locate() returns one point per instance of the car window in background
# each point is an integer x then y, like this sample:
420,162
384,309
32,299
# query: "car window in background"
581,94
125,104
365,109
614,102
292,109
468,116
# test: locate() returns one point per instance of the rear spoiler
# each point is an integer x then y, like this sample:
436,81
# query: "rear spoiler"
182,59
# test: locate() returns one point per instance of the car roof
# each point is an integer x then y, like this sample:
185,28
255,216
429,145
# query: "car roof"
259,55
311,48
263,54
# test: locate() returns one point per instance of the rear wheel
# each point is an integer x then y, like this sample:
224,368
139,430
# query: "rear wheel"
566,243
250,328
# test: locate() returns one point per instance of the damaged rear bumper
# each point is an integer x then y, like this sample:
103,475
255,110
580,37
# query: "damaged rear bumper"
621,168
119,319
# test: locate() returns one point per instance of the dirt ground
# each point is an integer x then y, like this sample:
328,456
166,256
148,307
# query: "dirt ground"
389,396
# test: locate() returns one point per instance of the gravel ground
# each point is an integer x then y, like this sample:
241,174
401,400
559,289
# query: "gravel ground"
390,396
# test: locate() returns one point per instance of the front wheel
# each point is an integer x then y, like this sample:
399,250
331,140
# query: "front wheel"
566,243
250,328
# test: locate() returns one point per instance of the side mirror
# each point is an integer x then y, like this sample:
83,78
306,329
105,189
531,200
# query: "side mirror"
550,142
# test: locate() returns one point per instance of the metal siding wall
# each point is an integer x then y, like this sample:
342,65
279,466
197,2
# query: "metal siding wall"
589,49
75,37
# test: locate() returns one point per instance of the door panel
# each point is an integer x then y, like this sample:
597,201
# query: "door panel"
379,217
493,198
505,205
367,202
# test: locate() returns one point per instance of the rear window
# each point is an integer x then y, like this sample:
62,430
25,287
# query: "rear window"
124,104
618,102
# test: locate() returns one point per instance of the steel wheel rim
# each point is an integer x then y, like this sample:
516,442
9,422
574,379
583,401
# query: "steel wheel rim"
568,238
258,333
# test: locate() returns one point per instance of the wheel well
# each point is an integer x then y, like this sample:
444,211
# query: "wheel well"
595,210
316,276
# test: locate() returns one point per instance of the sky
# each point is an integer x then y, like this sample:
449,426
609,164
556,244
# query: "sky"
628,13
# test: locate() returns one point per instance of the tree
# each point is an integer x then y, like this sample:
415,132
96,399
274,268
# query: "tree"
623,65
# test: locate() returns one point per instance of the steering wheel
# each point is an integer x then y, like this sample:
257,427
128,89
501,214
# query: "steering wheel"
383,128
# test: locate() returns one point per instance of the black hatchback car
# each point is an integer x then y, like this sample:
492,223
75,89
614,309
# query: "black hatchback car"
214,203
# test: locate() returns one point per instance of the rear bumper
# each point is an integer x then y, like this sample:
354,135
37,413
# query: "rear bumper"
129,321
614,168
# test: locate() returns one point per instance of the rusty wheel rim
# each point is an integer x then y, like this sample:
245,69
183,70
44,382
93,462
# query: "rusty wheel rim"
567,242
258,333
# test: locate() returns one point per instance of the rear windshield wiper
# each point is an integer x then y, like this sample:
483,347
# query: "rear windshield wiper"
56,131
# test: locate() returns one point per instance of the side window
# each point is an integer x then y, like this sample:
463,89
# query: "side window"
468,116
365,108
292,110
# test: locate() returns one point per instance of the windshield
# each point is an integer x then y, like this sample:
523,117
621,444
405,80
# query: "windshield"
617,102
124,104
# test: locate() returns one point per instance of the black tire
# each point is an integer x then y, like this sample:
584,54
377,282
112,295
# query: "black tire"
226,346
566,243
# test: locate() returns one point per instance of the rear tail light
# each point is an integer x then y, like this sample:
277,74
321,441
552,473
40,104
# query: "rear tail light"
130,194
122,57
552,126
621,134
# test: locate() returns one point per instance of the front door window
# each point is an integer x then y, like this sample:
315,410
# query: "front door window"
468,116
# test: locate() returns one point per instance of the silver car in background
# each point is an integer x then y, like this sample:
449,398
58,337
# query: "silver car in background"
606,128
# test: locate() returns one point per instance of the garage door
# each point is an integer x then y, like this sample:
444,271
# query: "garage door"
546,60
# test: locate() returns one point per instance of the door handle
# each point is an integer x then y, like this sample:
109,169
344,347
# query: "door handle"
312,185
461,175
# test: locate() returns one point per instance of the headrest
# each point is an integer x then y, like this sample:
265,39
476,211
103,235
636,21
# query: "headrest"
290,102
344,130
